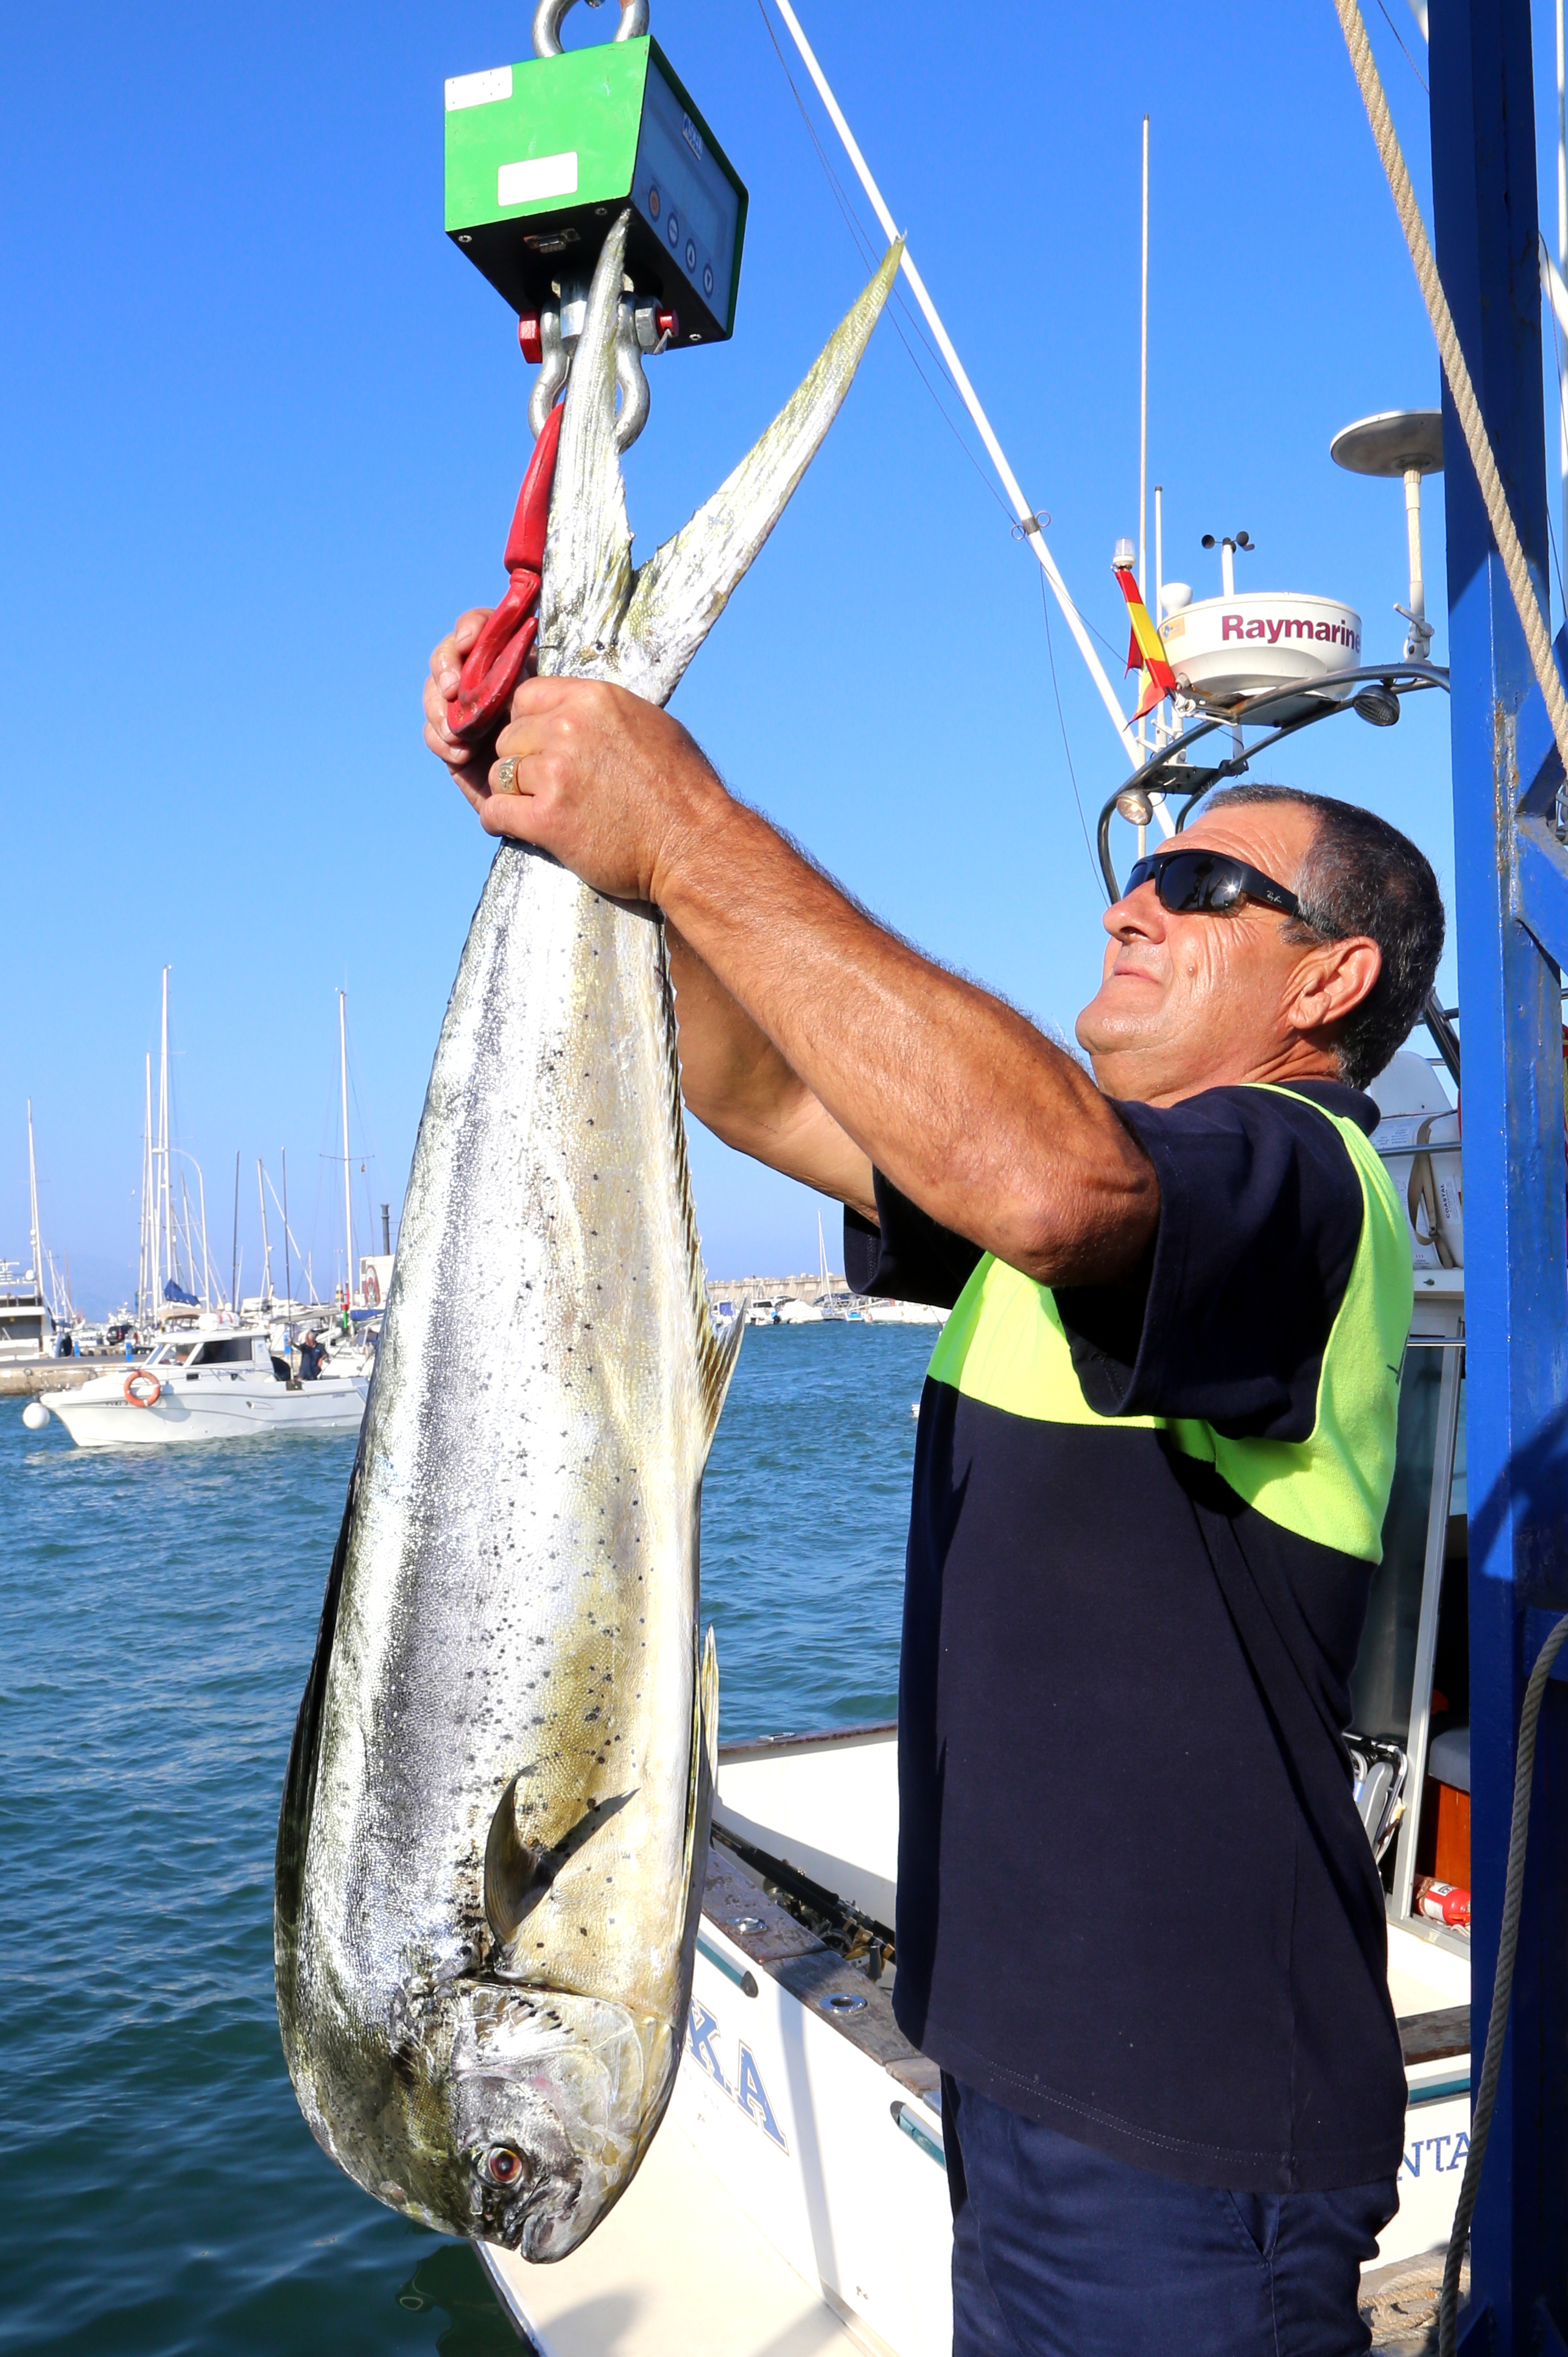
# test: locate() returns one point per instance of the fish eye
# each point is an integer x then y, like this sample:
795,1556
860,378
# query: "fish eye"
503,2166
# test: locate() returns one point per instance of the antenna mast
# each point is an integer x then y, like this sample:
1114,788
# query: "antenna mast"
1143,409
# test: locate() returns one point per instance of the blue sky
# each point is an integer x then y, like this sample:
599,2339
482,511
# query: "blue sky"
261,428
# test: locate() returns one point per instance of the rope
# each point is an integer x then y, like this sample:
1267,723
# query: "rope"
1502,1981
1538,637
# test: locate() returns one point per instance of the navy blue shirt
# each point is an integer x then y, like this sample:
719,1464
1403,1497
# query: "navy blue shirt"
1135,1899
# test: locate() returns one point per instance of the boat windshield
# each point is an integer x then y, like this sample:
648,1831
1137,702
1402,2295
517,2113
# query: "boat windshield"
171,1355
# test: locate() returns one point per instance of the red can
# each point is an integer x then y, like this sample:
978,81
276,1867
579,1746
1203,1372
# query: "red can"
1443,1902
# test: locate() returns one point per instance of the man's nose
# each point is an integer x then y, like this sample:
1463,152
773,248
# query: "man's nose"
1136,916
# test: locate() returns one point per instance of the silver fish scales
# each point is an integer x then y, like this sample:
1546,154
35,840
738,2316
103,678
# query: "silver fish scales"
491,1841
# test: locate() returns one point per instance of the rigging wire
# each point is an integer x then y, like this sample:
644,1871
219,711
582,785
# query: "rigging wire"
1399,39
1067,748
867,253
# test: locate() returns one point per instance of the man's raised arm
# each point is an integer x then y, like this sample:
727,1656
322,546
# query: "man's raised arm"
738,1085
988,1127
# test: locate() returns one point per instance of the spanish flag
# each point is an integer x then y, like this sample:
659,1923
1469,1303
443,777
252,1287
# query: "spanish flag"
1146,652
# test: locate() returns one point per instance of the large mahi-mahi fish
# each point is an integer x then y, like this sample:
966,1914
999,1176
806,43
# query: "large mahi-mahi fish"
491,1846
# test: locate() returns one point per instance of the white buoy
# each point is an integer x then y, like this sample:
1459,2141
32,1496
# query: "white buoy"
35,1415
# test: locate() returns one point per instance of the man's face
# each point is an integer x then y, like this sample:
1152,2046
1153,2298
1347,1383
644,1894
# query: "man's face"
1187,1002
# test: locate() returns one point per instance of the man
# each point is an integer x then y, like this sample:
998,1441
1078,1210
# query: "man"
311,1353
1139,1923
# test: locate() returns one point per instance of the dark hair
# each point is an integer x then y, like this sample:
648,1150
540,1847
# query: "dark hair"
1362,876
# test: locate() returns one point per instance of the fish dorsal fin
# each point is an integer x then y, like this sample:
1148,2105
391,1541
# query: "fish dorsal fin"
716,1354
514,1870
679,593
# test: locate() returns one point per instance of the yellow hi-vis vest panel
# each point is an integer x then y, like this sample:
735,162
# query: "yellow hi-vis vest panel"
1005,1345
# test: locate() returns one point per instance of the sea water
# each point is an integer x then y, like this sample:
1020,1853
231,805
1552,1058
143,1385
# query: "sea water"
159,2191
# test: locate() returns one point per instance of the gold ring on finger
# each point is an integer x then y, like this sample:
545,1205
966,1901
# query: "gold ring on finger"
506,776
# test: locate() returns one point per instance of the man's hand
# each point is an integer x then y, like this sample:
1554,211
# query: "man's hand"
610,784
445,670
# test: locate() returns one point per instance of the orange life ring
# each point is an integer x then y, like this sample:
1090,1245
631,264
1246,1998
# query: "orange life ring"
140,1375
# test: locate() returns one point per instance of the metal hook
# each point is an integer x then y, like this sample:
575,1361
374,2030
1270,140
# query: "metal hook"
638,330
635,398
548,16
552,373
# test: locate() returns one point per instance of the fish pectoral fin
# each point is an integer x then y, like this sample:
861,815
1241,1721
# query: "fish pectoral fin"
518,1872
679,593
699,1793
515,1876
710,1702
596,1813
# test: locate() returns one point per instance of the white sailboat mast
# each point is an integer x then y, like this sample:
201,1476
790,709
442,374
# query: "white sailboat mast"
266,1242
165,1195
348,1207
206,1267
32,1207
146,1286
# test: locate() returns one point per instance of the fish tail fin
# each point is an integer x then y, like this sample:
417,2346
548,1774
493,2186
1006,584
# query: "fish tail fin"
679,593
587,563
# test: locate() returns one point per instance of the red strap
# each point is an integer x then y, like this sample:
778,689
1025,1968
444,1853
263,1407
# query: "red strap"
494,662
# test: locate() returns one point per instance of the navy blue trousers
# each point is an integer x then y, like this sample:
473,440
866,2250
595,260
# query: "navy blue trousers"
1060,2251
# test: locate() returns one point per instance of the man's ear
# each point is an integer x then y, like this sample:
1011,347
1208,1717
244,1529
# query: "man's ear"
1333,979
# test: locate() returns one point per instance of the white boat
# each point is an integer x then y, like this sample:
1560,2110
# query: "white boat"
903,1313
796,2198
27,1324
214,1382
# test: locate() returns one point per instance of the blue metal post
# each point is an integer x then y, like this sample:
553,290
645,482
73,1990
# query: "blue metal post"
1511,910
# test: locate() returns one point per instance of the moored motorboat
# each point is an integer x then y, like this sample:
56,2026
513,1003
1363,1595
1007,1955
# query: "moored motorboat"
213,1382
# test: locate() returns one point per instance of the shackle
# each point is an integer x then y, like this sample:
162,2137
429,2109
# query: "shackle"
548,16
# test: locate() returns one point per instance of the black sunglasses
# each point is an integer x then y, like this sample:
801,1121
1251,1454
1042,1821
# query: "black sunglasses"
1207,882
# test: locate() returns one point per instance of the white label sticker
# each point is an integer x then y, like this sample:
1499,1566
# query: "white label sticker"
538,175
478,90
